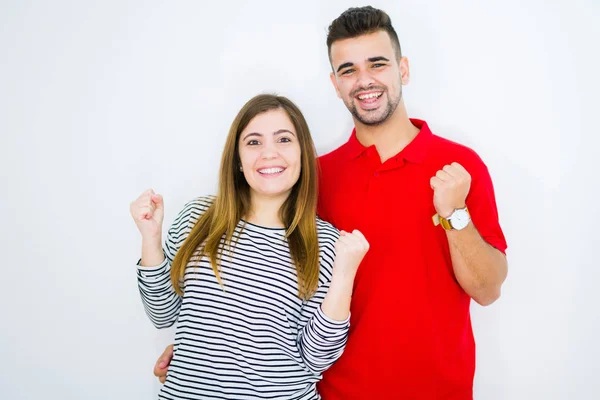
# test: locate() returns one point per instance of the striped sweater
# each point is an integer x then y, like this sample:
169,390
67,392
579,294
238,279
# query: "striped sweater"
253,338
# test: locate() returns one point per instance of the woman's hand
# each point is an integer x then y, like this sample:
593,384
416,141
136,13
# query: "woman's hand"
350,249
148,212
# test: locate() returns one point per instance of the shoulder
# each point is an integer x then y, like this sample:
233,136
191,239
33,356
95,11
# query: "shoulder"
200,204
445,151
327,235
441,146
333,157
191,211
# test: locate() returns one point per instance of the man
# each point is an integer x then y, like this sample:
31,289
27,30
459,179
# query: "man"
427,207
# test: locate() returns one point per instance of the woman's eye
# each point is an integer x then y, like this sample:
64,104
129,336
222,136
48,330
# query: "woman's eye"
253,143
285,140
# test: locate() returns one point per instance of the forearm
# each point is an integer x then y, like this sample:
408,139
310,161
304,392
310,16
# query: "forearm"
152,252
324,336
154,281
480,269
160,300
336,304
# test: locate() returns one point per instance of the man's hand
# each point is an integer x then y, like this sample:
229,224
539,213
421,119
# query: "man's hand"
162,364
450,186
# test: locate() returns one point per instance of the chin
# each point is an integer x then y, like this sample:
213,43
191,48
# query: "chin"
274,193
372,121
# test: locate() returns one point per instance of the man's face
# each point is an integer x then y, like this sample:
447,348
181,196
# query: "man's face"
367,76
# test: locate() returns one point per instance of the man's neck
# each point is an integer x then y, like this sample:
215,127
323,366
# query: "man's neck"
390,137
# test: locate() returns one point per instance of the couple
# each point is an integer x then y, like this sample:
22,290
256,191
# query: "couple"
261,287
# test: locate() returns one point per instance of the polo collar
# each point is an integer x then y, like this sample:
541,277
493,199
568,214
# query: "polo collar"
414,152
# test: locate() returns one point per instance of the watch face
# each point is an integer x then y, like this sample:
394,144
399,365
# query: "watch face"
460,219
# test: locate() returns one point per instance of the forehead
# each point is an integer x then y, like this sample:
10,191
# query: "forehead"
360,48
269,122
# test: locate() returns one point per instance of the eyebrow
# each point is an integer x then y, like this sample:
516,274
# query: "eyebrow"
278,132
344,65
372,59
380,58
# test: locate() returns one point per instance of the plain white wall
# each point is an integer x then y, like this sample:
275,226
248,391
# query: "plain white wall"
101,100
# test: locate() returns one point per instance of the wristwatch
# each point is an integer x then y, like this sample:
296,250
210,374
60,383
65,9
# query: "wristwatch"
458,220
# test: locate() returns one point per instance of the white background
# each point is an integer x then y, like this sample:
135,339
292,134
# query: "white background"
101,100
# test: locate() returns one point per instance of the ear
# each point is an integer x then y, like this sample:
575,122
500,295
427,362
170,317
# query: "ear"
404,70
335,85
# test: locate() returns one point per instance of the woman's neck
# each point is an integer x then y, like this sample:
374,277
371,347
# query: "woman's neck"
264,210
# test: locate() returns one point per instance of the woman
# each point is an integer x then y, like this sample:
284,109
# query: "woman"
259,285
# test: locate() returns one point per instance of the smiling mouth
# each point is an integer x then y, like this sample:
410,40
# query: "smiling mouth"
369,96
271,171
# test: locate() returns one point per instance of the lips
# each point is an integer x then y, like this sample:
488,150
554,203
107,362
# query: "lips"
369,96
271,171
369,100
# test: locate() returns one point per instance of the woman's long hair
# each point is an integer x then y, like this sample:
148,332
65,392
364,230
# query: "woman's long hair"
232,203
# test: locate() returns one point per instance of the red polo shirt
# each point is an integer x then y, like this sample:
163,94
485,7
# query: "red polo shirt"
410,333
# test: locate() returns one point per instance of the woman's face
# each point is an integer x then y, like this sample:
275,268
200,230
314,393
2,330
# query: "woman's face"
270,155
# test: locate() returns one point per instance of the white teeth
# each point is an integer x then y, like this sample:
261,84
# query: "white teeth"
268,171
370,96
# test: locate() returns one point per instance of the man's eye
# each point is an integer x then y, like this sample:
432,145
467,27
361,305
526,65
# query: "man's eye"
378,65
348,71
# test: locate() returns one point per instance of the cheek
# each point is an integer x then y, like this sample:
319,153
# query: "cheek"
246,158
292,156
346,89
394,78
296,155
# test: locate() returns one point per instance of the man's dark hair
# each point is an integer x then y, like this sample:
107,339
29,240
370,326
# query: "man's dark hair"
358,21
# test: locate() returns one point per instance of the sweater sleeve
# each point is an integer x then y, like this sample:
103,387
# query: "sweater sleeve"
321,340
160,300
